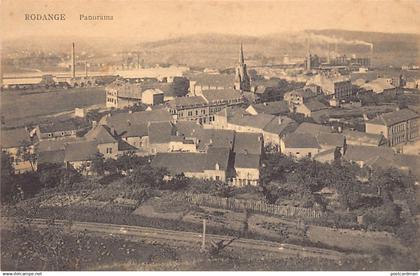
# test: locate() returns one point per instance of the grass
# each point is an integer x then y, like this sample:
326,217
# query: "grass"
17,106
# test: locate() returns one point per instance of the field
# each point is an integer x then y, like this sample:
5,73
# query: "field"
51,249
18,107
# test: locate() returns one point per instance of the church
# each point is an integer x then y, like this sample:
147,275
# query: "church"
242,81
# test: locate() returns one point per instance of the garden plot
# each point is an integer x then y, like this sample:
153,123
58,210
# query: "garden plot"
354,239
275,227
217,218
163,208
61,201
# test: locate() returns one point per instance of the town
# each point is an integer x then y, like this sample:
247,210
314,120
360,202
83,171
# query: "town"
318,151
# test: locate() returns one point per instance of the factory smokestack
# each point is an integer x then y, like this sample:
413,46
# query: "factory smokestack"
329,54
371,55
73,61
86,68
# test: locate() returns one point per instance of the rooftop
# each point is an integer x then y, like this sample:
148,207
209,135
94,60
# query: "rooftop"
299,140
271,108
181,102
248,143
14,137
80,151
221,95
250,161
395,117
312,128
101,134
160,132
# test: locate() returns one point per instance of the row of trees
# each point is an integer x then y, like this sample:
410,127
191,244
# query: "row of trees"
283,177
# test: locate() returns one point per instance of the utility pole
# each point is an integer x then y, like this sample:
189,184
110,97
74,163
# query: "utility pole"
203,245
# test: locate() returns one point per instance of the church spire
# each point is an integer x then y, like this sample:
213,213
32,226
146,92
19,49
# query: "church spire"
241,56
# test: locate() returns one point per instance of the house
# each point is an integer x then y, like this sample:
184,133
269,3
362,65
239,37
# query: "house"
300,145
368,155
333,84
79,155
50,157
106,140
272,127
212,165
397,127
60,129
335,141
354,137
247,169
160,134
205,81
312,128
152,97
298,96
120,94
270,108
379,86
248,143
202,108
309,107
194,108
17,142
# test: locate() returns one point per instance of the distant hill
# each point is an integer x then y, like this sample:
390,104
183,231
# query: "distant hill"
221,50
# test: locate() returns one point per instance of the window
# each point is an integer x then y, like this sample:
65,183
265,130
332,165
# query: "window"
217,177
109,150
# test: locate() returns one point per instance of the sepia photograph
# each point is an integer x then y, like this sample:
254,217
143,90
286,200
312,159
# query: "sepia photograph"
210,135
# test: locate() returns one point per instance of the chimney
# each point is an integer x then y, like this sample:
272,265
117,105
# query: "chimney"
365,117
73,61
94,124
86,68
280,120
329,54
371,55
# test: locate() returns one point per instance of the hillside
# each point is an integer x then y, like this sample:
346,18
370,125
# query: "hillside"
221,51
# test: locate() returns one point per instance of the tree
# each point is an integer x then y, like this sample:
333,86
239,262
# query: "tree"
389,181
9,190
26,152
97,165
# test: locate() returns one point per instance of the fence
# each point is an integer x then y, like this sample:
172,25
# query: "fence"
252,205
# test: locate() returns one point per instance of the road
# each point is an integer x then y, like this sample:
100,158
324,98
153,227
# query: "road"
192,238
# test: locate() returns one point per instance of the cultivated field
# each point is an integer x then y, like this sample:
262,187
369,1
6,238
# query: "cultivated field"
20,106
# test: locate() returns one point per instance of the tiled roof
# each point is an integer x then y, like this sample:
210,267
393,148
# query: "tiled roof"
160,132
216,138
121,120
180,162
51,157
304,93
14,137
138,130
312,128
222,95
271,108
81,151
394,117
367,153
359,138
247,161
220,80
378,85
331,139
181,102
314,105
58,126
301,140
281,125
101,134
53,145
256,121
247,142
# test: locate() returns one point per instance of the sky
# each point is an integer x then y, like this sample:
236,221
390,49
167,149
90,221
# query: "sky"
153,20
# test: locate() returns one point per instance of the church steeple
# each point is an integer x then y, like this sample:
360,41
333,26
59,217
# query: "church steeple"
241,56
242,81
